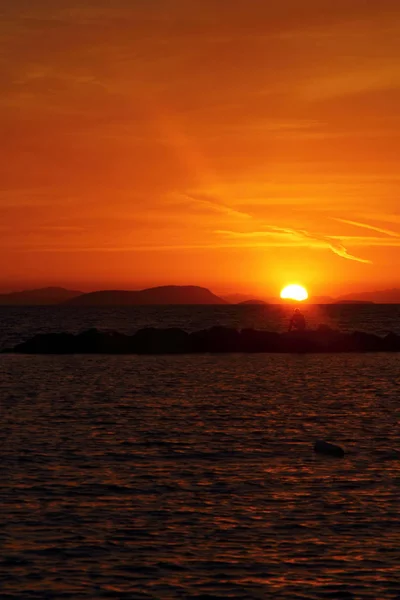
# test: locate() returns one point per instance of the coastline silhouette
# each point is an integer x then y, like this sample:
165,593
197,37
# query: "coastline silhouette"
174,294
215,339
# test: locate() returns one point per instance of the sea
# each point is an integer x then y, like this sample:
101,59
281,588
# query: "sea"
194,477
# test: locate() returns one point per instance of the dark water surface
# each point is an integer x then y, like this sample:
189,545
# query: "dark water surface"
193,477
20,323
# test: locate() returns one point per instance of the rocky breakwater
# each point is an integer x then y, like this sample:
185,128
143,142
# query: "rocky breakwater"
215,340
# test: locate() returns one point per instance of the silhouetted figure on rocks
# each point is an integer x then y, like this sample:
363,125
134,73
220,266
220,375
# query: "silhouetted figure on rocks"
297,321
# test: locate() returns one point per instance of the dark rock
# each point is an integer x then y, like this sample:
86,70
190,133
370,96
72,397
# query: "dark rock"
252,340
215,339
94,341
366,342
330,340
391,343
48,343
324,329
299,342
160,341
321,447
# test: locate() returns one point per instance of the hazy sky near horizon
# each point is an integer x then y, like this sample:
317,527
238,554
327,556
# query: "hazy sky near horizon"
239,145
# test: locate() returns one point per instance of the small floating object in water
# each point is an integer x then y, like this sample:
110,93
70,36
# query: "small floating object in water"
322,447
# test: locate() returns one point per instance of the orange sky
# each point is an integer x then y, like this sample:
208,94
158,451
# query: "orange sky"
238,145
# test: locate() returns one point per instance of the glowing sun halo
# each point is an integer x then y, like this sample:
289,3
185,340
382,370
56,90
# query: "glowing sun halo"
294,292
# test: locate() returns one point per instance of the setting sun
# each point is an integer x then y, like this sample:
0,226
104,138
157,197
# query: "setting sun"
294,292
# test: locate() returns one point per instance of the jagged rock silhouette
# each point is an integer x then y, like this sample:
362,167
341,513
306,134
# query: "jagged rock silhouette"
215,339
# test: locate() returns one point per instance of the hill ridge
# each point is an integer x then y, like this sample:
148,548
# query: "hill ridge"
166,294
51,295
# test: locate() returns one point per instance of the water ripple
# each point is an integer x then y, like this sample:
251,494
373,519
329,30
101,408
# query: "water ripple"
194,477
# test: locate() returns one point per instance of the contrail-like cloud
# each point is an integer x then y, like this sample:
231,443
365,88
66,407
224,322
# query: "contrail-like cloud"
217,206
388,232
301,234
336,247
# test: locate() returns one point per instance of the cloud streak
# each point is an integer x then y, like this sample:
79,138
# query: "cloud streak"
217,206
315,240
388,232
146,248
336,247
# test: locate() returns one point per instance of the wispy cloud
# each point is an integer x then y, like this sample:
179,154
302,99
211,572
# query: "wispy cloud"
145,248
217,206
368,241
388,232
314,240
373,77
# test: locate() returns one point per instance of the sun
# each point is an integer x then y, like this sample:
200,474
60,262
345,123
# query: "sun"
294,292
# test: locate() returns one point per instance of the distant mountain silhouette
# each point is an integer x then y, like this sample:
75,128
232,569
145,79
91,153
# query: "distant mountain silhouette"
353,302
378,297
252,301
169,294
237,298
320,300
175,294
42,296
310,300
